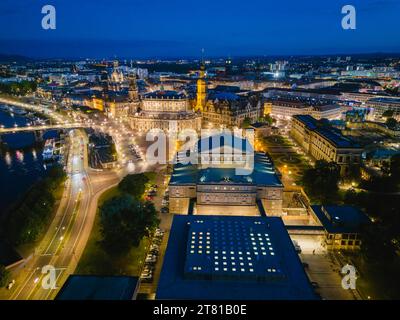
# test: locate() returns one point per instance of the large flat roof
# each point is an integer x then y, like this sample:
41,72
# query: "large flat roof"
263,174
231,257
86,287
340,219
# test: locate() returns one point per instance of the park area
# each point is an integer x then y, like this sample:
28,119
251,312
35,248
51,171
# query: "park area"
287,157
98,261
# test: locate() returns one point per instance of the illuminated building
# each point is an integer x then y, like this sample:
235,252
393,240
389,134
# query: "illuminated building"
122,96
165,110
286,108
342,226
235,258
325,143
230,109
215,186
201,97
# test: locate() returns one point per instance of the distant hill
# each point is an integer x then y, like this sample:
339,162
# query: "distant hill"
13,57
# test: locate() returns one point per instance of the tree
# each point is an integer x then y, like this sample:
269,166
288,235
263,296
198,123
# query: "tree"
321,182
4,276
134,184
124,222
376,245
268,119
246,122
354,173
387,114
391,123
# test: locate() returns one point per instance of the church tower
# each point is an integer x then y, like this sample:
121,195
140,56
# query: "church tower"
133,90
133,94
201,90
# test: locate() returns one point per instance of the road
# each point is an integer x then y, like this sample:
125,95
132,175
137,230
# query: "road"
38,128
66,238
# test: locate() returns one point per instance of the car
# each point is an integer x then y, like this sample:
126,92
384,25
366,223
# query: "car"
151,259
164,210
154,246
315,285
147,278
154,252
148,269
146,273
305,265
10,284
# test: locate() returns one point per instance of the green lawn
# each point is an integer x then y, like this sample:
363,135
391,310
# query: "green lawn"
96,261
276,141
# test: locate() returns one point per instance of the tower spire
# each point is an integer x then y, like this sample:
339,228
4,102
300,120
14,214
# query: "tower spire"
201,86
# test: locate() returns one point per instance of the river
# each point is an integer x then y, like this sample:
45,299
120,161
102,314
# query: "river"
21,162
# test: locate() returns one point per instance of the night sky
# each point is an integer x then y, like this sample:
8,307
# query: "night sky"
180,28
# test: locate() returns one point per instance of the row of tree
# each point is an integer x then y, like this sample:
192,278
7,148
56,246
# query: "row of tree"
18,88
28,219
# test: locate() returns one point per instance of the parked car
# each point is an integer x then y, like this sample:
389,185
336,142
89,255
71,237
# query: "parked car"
10,285
151,258
164,210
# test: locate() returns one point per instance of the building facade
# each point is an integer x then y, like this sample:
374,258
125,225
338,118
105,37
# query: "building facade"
285,108
324,143
214,186
165,110
230,110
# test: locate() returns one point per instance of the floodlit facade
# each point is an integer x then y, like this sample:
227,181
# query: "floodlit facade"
324,143
215,186
165,110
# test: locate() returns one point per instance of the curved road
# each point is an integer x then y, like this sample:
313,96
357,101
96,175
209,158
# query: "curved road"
65,240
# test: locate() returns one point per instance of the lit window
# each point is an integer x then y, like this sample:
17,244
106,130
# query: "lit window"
233,269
